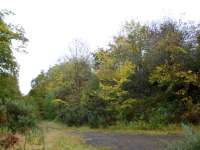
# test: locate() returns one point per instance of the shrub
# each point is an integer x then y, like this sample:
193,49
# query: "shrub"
3,117
159,117
192,115
70,114
92,111
191,140
19,115
130,110
99,113
49,110
8,141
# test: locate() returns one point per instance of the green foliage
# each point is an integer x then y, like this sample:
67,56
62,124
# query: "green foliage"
14,114
9,87
130,110
49,110
92,111
149,74
8,65
99,113
177,82
191,140
18,115
34,136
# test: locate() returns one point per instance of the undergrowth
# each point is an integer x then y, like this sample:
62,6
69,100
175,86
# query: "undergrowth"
191,140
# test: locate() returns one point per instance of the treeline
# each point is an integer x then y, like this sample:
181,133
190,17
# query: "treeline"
149,73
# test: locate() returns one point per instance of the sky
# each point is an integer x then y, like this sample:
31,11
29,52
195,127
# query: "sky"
51,25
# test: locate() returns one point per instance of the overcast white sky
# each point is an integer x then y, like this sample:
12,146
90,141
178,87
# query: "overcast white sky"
51,25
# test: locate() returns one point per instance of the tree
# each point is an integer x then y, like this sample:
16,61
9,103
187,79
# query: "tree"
149,72
8,64
79,63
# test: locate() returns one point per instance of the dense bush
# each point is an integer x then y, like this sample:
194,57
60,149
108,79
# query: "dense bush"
72,115
93,111
68,113
18,115
99,113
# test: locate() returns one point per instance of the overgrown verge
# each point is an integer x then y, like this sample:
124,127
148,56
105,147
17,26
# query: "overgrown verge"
50,136
16,116
191,140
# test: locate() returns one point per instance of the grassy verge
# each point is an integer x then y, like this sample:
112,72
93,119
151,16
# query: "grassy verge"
52,136
191,140
134,128
59,137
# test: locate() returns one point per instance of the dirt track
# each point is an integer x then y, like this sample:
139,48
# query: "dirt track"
117,141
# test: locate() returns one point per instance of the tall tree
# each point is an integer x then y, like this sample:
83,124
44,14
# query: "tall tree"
8,64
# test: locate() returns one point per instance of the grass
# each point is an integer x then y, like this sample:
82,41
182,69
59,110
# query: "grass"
52,136
134,128
57,136
191,140
144,128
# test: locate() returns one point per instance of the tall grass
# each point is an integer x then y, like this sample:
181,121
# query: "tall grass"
34,138
191,140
